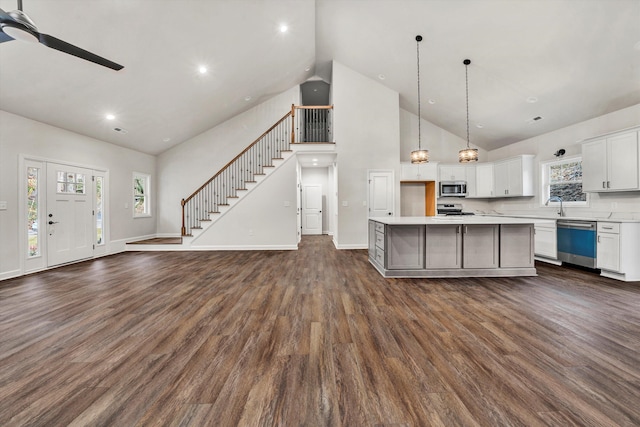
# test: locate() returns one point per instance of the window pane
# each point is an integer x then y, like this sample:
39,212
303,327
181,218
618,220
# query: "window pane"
32,212
568,192
99,238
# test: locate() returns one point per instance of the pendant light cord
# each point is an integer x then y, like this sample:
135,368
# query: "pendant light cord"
418,40
466,78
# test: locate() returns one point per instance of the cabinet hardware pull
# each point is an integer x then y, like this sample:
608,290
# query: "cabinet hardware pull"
608,184
598,238
604,184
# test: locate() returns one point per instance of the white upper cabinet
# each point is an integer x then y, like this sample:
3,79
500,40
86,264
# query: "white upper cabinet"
480,180
611,163
452,172
419,172
514,177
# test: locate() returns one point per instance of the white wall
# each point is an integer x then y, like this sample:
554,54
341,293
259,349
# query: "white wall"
266,218
185,167
367,135
21,136
320,176
621,204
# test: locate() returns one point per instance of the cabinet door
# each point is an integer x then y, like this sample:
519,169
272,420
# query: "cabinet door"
516,245
452,173
501,178
514,179
405,247
608,251
372,240
545,241
594,165
409,172
480,246
622,166
484,180
443,246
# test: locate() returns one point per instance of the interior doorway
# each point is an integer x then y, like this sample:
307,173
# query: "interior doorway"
316,200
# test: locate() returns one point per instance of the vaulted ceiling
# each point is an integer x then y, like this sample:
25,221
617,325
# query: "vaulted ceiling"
562,60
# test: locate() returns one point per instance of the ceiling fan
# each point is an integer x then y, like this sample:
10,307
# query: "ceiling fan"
17,25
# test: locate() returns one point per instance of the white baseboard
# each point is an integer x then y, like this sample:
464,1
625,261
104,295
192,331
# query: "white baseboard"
243,248
351,246
10,274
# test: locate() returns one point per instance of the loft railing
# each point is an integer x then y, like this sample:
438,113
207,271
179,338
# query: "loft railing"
300,125
312,123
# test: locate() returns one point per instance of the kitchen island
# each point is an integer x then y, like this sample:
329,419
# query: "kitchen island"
469,246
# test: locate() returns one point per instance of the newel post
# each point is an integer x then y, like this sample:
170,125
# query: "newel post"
293,123
183,230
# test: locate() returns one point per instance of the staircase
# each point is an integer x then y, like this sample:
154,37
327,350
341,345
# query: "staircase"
302,125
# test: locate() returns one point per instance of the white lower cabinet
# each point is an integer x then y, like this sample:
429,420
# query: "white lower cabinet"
618,250
546,240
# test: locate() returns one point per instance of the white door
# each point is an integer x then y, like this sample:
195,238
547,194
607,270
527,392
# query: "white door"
69,216
311,209
381,193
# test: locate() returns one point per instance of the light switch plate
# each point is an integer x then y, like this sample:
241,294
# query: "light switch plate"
3,206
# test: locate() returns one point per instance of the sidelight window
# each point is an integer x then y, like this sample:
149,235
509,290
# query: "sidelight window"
33,235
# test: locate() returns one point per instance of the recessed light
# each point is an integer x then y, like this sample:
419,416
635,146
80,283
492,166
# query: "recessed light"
110,117
314,160
315,164
247,98
202,69
532,100
307,68
479,125
166,139
381,76
432,101
284,28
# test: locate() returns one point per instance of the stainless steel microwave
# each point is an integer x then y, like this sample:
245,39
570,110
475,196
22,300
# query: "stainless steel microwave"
453,188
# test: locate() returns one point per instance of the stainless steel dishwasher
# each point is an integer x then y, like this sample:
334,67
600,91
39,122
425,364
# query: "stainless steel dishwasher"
577,242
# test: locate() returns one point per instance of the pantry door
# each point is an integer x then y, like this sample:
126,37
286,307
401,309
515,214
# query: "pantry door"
69,215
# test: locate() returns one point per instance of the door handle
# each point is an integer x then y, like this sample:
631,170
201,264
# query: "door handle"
53,222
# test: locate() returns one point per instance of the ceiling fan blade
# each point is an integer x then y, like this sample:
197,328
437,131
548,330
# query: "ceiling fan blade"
65,47
4,37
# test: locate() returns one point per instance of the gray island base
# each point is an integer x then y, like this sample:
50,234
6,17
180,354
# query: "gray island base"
477,246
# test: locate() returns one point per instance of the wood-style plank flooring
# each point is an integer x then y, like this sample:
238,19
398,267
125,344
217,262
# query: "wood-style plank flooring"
314,337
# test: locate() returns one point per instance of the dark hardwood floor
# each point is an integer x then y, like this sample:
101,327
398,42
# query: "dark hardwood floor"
314,337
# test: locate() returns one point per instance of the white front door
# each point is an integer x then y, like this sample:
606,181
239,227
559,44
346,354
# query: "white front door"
381,193
312,209
69,216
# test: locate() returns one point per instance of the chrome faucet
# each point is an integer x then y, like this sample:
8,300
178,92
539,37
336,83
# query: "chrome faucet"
555,199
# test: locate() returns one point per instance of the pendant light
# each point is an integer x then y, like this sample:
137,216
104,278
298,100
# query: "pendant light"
468,154
419,155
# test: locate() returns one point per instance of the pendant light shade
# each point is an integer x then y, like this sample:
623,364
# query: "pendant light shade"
468,154
420,155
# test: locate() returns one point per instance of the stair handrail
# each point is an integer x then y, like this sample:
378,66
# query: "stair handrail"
184,201
290,113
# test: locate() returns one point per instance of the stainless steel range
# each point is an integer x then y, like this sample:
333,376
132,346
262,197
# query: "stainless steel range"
451,209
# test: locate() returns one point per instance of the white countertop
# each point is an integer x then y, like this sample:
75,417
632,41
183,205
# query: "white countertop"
556,218
462,219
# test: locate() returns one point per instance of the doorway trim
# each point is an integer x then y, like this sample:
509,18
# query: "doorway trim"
27,265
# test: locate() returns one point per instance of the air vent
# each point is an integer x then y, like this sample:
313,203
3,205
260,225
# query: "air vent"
535,119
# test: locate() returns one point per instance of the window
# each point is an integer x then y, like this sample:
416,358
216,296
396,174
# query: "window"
33,241
98,211
141,202
563,179
70,183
